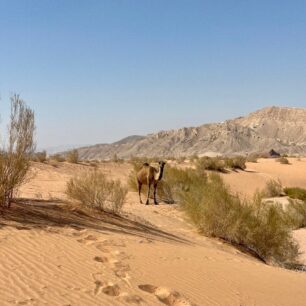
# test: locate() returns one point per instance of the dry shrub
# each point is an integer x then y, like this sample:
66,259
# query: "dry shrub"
260,229
273,189
73,156
237,162
92,189
210,163
283,160
15,156
40,157
57,157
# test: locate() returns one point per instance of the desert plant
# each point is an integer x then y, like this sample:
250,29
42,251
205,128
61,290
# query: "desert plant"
57,157
73,156
295,214
273,189
296,193
15,156
93,189
210,163
237,162
40,157
258,228
283,160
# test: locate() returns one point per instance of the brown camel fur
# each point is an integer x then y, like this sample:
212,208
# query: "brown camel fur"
149,175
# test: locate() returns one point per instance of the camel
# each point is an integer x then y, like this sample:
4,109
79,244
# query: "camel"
149,175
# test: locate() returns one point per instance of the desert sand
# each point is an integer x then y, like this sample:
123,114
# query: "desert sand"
51,255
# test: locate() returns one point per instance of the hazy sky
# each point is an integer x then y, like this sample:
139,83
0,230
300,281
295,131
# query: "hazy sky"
97,71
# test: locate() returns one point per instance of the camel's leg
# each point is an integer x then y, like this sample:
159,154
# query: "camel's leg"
155,189
148,196
139,191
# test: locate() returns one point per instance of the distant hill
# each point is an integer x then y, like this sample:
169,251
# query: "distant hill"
280,128
57,149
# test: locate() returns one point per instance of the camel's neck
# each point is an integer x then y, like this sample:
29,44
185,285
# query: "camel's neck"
159,174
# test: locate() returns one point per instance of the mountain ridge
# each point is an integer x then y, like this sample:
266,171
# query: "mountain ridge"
280,128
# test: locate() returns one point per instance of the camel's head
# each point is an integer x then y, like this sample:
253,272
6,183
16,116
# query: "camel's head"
162,164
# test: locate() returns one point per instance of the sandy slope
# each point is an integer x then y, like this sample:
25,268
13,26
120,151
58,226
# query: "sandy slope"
54,256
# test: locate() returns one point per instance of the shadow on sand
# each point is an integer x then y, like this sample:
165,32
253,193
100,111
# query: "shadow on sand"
42,214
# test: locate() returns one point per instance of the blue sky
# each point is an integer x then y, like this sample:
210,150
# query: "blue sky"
97,71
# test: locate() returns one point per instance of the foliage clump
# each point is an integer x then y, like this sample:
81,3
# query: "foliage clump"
237,162
210,163
296,193
94,190
262,229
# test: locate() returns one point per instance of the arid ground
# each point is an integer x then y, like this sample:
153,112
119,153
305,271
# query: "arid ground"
54,255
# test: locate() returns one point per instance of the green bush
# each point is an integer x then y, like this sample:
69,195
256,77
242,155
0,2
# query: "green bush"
296,193
94,190
259,228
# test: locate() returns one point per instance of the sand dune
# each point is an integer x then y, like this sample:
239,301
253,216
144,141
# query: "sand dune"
51,255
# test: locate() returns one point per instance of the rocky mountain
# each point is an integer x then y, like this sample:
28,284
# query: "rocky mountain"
280,128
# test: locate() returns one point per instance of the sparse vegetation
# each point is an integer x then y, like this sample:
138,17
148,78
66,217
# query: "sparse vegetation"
283,160
264,230
73,156
296,193
57,157
273,189
94,190
237,162
40,157
210,163
15,157
295,214
259,228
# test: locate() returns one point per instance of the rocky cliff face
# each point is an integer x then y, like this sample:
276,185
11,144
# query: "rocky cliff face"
280,128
